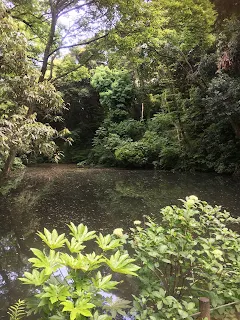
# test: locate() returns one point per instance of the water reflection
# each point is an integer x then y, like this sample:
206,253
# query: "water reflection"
103,199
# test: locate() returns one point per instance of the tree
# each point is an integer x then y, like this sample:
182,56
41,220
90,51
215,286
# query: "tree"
22,96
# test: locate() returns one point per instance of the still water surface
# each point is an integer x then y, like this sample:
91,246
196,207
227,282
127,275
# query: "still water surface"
104,199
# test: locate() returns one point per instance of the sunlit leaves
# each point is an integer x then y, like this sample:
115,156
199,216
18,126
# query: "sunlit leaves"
55,293
69,285
35,278
107,243
104,283
74,246
81,307
52,239
83,262
122,263
81,233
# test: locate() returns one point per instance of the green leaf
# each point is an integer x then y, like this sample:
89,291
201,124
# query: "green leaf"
104,283
117,306
81,307
75,246
55,293
107,243
50,263
17,311
85,263
36,278
122,263
52,239
80,232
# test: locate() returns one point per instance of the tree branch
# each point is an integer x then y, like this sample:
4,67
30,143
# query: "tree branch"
78,44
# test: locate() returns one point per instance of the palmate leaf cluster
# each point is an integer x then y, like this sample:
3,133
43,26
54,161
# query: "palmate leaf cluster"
72,284
191,253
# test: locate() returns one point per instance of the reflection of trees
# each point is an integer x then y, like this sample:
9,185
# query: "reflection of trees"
130,195
17,230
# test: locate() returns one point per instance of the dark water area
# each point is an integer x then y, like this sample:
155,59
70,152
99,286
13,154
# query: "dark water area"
104,199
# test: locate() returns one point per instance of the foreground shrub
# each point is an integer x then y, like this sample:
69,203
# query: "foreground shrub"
191,253
72,284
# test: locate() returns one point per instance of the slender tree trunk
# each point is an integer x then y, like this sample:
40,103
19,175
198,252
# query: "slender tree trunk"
9,162
50,42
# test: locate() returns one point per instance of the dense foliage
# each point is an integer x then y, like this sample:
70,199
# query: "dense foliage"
144,83
191,253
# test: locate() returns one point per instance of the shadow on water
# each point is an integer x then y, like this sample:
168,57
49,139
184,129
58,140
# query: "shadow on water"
103,199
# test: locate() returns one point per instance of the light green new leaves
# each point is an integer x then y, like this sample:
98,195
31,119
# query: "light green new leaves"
81,233
69,285
107,243
81,307
55,293
85,263
50,263
52,239
104,283
74,246
122,263
36,278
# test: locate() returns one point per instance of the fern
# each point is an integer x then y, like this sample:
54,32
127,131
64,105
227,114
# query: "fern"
17,311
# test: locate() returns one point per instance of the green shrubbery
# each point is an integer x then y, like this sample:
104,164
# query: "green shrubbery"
191,253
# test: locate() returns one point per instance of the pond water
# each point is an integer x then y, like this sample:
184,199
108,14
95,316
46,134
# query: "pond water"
104,199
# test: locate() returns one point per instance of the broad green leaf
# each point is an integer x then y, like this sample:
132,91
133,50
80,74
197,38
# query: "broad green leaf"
107,243
85,263
81,307
36,278
80,232
75,246
122,263
50,263
52,239
117,306
55,293
104,283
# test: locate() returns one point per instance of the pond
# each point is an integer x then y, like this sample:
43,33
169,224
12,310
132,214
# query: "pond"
104,199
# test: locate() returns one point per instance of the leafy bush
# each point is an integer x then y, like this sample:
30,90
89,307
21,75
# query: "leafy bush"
192,253
73,285
133,153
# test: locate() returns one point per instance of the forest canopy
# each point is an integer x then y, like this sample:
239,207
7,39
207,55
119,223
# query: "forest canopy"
147,84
